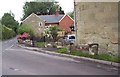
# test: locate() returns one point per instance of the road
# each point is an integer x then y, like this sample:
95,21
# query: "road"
18,61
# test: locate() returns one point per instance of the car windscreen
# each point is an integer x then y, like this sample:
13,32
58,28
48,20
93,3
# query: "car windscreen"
72,37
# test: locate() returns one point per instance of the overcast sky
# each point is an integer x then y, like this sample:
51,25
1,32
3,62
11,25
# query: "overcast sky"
16,7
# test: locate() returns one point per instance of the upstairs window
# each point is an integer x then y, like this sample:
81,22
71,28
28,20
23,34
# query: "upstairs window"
40,24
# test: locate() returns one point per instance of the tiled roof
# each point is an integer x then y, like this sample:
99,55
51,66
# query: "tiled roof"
51,18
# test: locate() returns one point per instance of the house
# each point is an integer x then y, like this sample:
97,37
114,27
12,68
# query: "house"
40,22
97,22
36,23
65,22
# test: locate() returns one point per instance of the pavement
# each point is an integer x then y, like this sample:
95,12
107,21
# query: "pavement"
21,61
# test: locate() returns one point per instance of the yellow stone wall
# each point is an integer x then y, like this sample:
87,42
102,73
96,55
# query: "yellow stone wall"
97,22
34,21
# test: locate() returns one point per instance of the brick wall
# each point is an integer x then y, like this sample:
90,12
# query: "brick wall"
65,23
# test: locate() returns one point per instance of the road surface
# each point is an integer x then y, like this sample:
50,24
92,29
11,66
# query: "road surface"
18,61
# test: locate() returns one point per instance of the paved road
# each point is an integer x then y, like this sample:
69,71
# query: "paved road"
18,61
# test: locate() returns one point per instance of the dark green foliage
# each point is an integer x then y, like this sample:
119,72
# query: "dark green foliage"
71,14
7,33
24,28
9,21
54,32
40,8
0,31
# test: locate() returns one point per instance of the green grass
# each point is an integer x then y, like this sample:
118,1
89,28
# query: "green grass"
107,57
63,50
40,44
104,57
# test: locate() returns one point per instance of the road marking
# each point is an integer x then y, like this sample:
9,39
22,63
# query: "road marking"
8,48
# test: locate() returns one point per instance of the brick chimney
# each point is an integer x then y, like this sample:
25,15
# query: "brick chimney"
57,12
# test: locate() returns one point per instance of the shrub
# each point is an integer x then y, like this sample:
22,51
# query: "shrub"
0,32
7,33
25,28
40,44
54,32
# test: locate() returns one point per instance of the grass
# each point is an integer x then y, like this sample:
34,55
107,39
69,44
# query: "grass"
63,50
40,44
105,57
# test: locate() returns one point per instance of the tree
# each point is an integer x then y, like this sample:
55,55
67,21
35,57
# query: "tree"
0,31
41,8
9,21
71,14
61,11
54,32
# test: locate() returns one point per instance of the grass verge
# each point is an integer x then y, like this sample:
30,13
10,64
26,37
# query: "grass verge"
105,57
40,44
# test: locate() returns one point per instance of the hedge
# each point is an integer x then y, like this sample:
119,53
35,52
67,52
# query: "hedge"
6,33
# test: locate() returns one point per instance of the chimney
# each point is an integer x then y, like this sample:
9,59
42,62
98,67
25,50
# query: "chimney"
57,12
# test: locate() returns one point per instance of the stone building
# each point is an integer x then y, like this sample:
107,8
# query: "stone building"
40,22
97,22
37,24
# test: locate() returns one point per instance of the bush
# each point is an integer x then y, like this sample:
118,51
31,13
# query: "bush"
0,32
25,28
40,44
7,33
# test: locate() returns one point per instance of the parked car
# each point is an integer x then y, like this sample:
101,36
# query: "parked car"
69,39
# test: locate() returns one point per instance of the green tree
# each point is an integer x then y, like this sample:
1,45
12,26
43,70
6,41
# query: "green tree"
71,14
41,8
61,11
0,31
9,21
6,33
54,32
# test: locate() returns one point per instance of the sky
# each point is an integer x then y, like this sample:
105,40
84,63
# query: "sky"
16,7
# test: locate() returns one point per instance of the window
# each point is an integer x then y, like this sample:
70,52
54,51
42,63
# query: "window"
72,37
40,24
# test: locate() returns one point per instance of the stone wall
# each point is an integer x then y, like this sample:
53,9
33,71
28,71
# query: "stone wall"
34,22
97,22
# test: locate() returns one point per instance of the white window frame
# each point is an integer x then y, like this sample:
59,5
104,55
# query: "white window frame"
40,23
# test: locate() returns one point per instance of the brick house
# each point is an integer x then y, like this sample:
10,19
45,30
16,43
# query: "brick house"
65,22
